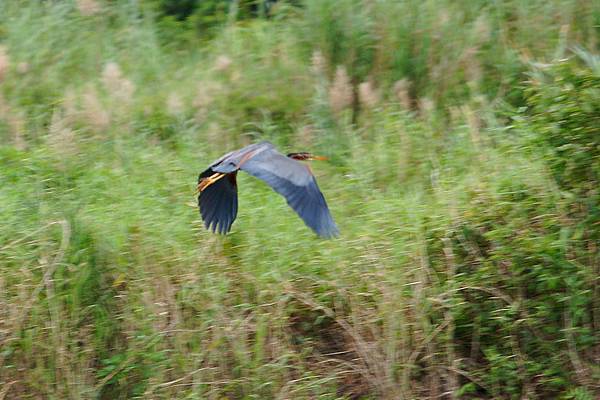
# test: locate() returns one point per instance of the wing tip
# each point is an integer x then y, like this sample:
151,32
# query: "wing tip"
331,232
218,206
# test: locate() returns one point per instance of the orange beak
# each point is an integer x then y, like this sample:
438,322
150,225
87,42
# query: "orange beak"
320,158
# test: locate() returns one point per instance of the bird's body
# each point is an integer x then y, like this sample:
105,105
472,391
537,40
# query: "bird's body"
217,185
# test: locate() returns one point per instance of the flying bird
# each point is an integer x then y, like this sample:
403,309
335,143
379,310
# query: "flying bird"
217,187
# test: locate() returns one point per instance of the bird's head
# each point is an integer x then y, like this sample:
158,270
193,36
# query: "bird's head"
304,156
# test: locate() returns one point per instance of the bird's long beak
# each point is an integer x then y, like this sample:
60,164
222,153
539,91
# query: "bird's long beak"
320,158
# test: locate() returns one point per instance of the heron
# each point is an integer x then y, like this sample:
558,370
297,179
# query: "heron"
217,187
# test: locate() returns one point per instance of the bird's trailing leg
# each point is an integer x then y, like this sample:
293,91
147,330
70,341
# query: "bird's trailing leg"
206,182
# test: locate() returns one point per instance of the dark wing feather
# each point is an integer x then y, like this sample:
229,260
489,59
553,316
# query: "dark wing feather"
218,202
294,181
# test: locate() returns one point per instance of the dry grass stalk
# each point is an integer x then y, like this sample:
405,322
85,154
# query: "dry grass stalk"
70,106
402,93
340,92
452,382
29,299
404,156
118,86
473,70
368,95
426,107
175,105
4,314
22,67
205,93
5,110
88,7
4,62
61,138
482,29
94,112
223,63
6,388
424,331
444,16
318,63
456,115
111,76
160,301
474,123
367,355
125,94
16,123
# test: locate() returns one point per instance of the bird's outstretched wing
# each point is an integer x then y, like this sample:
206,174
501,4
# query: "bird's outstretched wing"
219,202
294,181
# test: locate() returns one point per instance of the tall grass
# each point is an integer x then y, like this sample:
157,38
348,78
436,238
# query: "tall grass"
465,267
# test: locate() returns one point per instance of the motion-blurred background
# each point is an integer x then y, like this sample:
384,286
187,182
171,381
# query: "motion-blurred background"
464,146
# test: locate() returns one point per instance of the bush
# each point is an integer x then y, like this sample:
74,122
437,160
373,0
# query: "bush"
183,20
564,112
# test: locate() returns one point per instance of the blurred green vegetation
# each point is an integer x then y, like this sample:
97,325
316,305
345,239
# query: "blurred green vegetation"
464,145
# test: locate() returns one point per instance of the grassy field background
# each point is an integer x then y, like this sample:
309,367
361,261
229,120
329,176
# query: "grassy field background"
464,147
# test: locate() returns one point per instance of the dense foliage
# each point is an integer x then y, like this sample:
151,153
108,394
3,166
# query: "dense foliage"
464,174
